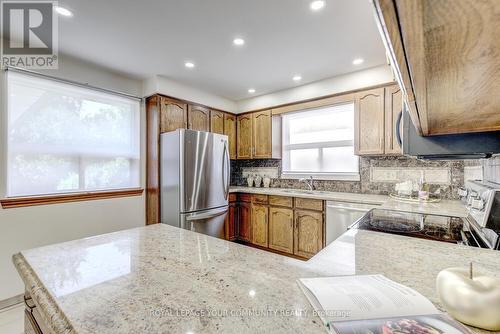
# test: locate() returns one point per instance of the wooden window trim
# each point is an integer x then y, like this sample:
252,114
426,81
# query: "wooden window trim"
18,202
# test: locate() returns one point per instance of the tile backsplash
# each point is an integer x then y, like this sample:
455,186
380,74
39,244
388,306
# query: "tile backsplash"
378,174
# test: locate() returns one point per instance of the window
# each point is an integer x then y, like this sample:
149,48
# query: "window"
64,138
320,143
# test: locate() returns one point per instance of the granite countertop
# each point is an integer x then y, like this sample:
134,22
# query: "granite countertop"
444,207
161,278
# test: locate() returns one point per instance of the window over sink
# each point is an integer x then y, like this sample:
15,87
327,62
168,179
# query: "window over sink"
320,143
64,138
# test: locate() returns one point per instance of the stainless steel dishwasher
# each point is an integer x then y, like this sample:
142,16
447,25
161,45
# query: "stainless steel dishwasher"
340,215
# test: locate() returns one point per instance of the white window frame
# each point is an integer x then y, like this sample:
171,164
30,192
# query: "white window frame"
286,148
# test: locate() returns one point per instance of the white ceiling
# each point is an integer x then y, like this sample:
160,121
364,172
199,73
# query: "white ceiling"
283,38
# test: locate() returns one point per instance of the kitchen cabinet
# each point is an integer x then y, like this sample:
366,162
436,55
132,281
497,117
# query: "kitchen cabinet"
244,133
216,121
369,122
308,233
393,109
231,222
198,118
230,132
260,219
443,54
173,115
281,229
262,134
245,221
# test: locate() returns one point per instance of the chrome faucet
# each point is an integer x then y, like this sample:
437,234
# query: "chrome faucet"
309,182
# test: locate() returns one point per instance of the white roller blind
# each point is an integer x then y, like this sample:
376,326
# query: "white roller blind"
65,138
320,143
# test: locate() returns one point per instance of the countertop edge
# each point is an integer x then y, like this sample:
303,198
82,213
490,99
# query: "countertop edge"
52,314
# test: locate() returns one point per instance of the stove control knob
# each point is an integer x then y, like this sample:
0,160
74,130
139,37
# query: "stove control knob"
462,192
477,203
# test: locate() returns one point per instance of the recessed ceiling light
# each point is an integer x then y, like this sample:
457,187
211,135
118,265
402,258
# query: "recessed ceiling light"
63,11
358,61
317,5
238,41
189,64
251,90
297,78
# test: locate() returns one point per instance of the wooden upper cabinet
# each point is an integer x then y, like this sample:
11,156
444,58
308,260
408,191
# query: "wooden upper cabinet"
198,118
216,121
173,115
446,57
244,134
308,234
262,134
393,109
281,229
260,219
369,122
230,132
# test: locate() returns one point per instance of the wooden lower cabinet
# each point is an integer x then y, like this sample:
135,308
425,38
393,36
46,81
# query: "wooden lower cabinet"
308,234
281,229
245,222
231,222
260,219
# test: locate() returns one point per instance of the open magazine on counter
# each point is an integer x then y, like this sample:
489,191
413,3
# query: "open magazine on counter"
374,304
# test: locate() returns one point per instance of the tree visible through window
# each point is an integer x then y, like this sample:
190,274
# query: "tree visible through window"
64,138
320,143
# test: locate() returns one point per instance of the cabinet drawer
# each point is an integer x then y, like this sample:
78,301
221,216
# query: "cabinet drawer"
233,197
307,203
281,201
245,198
259,198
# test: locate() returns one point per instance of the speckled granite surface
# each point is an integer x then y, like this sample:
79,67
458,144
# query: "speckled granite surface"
161,279
444,207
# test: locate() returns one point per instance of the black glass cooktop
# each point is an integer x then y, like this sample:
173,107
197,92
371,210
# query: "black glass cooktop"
434,227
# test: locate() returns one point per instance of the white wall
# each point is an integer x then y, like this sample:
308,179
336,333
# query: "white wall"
342,83
25,228
166,86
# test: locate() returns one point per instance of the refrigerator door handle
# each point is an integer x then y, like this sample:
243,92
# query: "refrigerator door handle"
225,170
206,214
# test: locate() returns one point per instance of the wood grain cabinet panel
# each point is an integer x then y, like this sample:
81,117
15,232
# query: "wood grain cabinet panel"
260,220
281,229
173,115
245,222
281,201
309,203
369,122
230,132
258,198
244,133
217,121
231,222
198,118
308,234
393,108
262,134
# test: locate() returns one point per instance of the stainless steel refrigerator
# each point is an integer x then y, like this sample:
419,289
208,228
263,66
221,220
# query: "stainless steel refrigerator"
194,178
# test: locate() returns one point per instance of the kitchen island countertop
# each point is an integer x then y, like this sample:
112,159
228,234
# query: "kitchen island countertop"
444,207
162,279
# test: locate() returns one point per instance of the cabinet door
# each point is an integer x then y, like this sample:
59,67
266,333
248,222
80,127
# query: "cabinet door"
198,118
369,122
173,115
230,132
244,136
281,229
308,233
216,121
262,136
393,107
231,222
245,222
260,219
